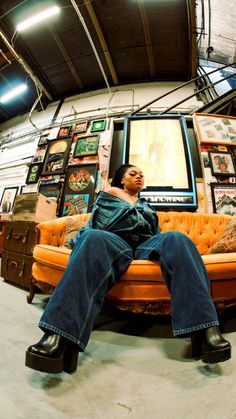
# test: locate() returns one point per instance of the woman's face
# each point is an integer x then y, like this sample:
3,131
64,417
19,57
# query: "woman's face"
133,179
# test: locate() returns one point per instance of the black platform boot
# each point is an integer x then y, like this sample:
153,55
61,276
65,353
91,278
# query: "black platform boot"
52,354
209,345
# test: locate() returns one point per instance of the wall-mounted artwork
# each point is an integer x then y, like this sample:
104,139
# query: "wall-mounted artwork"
56,156
215,129
33,173
81,126
222,163
8,198
64,131
159,146
98,125
224,198
86,146
51,190
78,191
43,140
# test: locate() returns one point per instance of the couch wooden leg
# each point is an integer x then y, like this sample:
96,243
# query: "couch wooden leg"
31,294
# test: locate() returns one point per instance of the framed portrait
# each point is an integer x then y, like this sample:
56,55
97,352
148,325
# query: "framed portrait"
34,173
81,126
215,129
56,156
51,190
224,198
79,189
64,131
98,125
221,163
8,198
86,146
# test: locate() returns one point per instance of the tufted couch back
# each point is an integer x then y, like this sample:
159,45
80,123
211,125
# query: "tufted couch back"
203,229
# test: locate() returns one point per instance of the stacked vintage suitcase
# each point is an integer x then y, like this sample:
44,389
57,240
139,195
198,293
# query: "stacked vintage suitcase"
20,236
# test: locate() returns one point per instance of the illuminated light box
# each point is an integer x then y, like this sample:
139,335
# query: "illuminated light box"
159,146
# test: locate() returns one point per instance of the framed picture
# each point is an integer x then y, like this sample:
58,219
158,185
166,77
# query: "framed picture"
79,188
215,129
33,173
81,126
56,156
64,131
160,146
51,190
86,146
43,140
98,125
221,163
8,198
224,198
39,155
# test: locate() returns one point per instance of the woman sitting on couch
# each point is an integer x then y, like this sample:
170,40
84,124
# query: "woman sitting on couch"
123,227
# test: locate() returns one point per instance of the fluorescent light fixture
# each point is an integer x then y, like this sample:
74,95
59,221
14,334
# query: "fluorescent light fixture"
12,93
37,18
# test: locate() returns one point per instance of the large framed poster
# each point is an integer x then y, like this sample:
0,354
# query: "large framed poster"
224,198
159,146
79,188
215,129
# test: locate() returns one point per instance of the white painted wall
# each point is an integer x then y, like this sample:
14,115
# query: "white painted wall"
121,100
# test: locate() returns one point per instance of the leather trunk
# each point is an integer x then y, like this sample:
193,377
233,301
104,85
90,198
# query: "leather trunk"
16,268
20,236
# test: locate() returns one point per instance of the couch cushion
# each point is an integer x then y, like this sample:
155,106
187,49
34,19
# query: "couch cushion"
73,225
227,242
52,256
219,266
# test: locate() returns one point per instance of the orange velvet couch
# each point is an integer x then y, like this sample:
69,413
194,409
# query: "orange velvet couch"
141,288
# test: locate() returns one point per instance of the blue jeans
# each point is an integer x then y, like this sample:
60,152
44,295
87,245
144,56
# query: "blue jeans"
96,263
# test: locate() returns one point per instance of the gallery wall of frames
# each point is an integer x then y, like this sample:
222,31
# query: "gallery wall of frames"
71,164
69,168
217,142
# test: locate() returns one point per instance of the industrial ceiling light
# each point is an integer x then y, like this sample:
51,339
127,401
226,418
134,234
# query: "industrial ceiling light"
13,93
45,14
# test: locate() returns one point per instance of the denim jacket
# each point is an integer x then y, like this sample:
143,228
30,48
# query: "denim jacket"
134,224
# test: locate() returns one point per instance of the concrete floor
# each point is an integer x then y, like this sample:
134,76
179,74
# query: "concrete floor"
132,368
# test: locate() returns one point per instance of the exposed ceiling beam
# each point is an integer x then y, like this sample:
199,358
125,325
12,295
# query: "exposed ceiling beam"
147,35
66,57
102,41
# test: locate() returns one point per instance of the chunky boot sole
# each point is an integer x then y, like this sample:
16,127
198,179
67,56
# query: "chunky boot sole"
213,357
67,361
209,356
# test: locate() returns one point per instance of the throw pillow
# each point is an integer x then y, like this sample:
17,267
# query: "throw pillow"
72,227
227,242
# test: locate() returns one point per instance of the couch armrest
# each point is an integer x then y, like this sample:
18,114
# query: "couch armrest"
52,232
